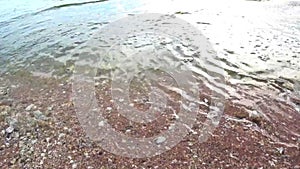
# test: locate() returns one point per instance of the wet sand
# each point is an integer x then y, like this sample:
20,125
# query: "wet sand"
47,134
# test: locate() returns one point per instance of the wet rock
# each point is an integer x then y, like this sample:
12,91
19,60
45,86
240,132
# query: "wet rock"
61,135
3,132
30,107
13,161
101,123
50,108
241,114
39,115
295,100
13,122
74,165
9,129
280,150
3,91
160,140
256,117
6,102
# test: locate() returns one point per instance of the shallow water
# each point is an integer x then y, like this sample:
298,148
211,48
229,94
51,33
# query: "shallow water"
257,47
263,44
257,42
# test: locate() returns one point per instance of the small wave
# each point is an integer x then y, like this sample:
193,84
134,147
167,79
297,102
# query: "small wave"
4,23
70,4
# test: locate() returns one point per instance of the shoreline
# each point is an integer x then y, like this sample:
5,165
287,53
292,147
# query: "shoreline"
47,134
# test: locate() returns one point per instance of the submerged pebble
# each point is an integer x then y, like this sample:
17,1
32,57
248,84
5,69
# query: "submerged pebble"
28,108
281,150
39,115
9,129
160,140
3,90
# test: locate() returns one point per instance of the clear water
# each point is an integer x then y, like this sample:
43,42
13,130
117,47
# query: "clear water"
257,43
